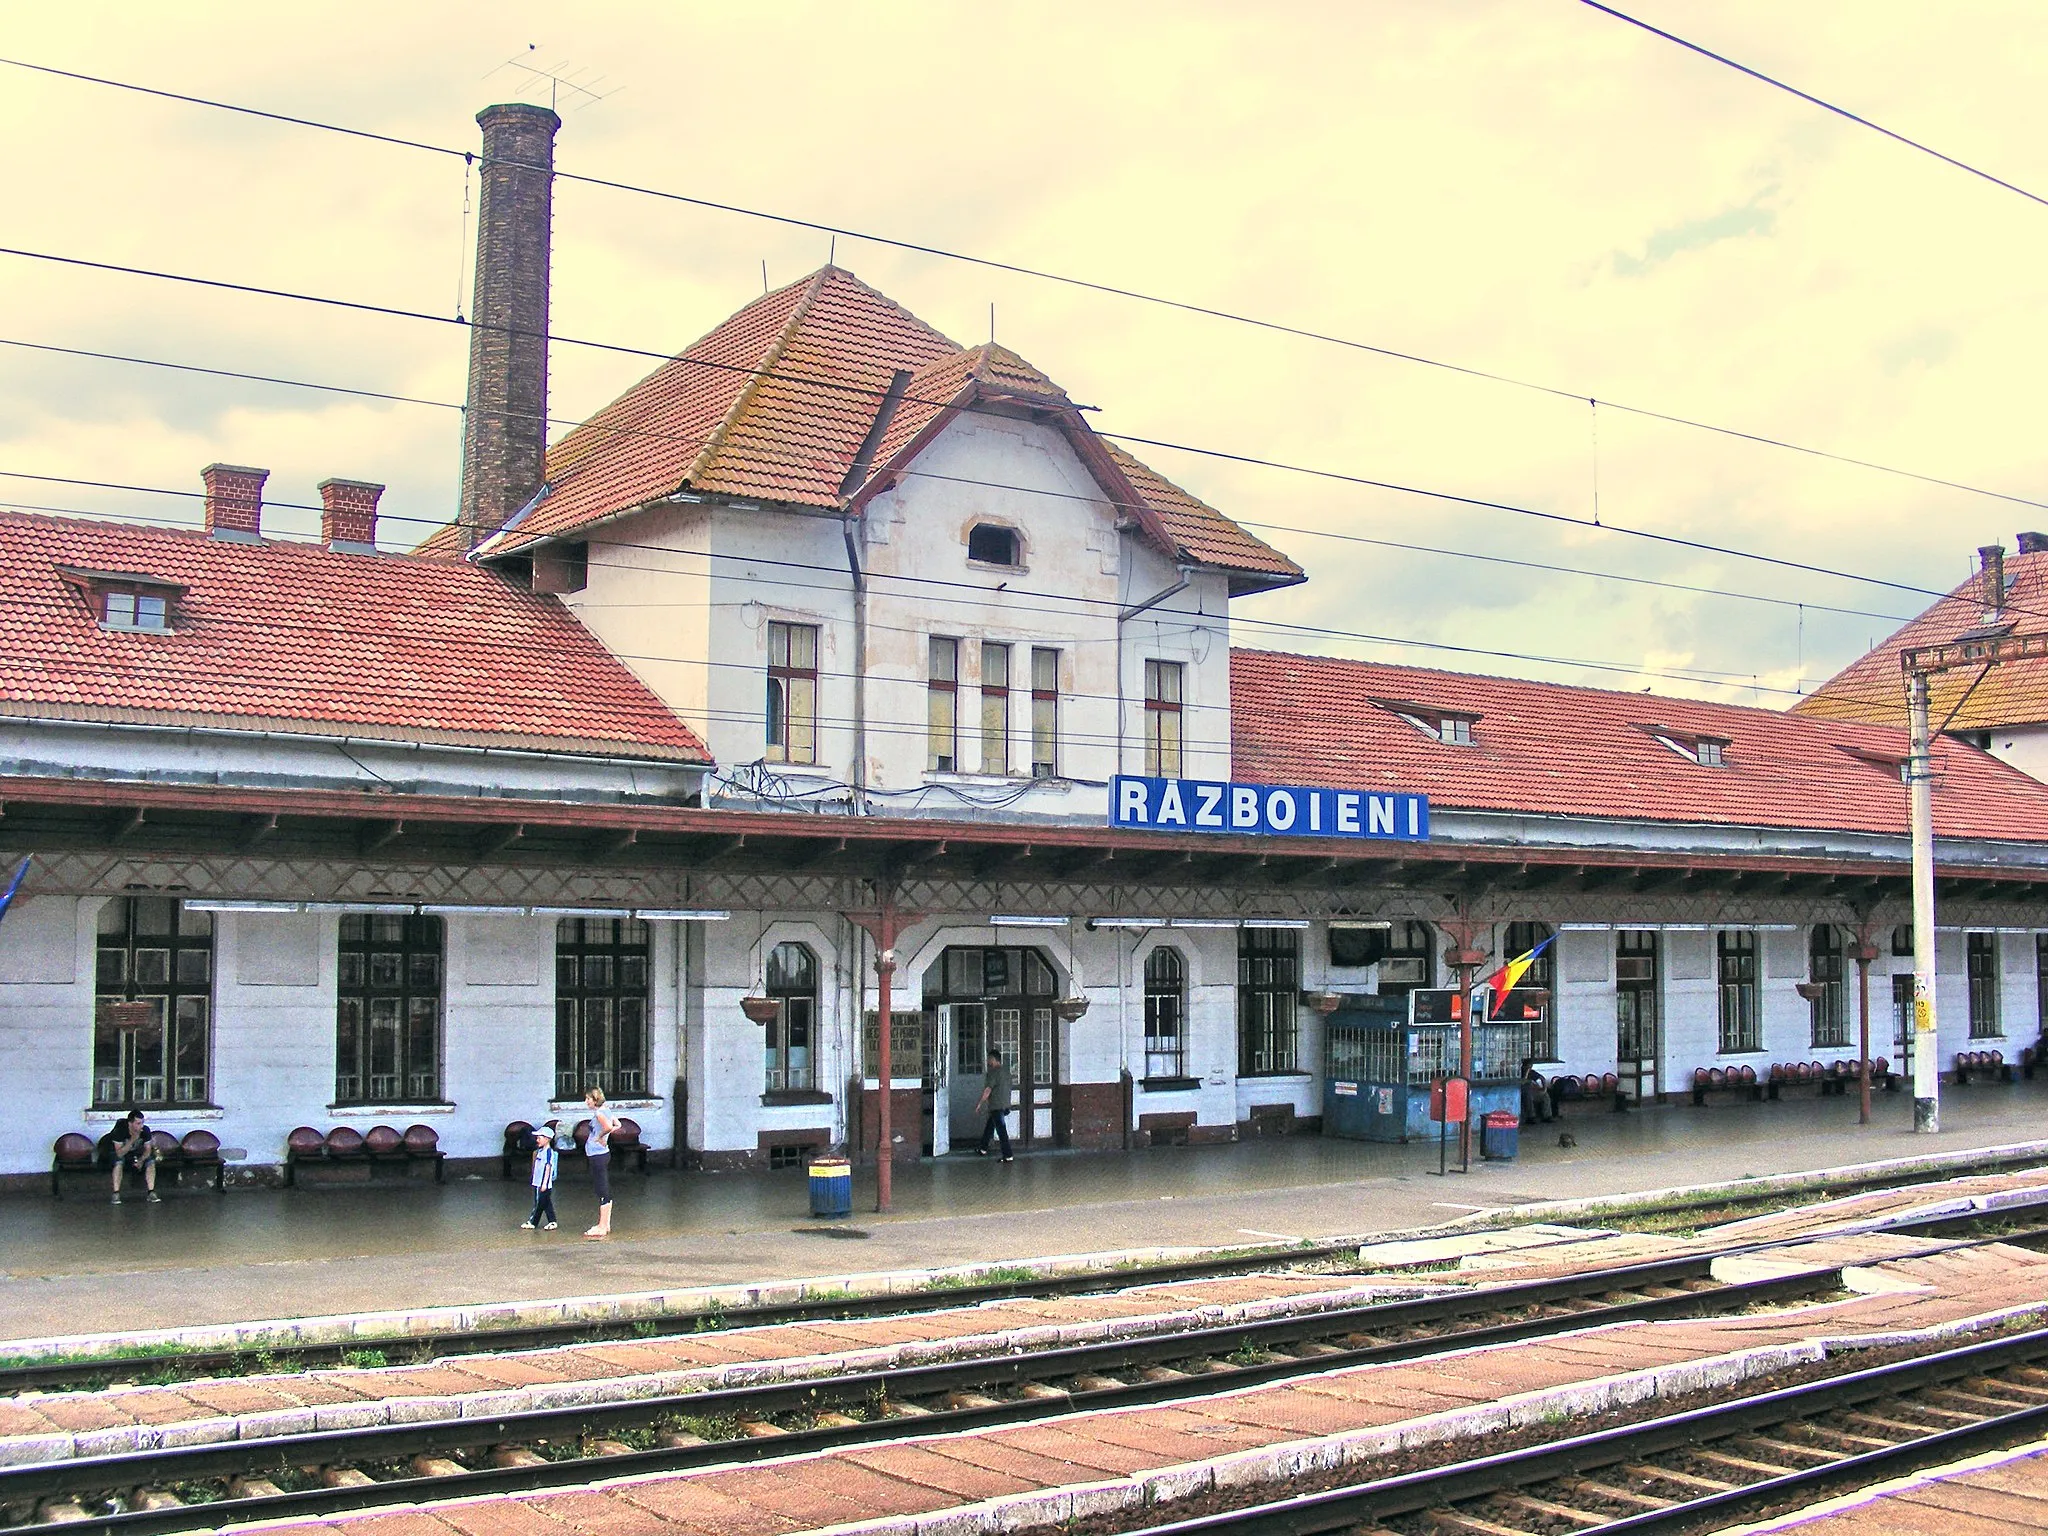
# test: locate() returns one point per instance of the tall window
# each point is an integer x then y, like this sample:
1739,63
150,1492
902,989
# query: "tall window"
793,983
1521,938
1741,1029
995,707
942,706
387,1038
792,693
600,1006
1635,996
1268,971
1981,954
1825,967
1045,713
1166,1002
154,1004
1163,697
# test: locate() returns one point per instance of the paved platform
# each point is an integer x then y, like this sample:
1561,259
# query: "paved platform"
81,1265
1989,1495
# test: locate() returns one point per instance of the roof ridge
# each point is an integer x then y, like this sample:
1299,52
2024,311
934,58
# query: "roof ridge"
715,440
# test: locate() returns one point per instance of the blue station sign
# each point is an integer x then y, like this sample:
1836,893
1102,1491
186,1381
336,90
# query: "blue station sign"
1274,810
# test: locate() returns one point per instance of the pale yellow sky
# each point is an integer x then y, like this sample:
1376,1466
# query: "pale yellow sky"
1527,187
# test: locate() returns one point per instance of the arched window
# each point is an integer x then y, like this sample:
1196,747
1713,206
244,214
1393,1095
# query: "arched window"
793,983
1824,965
1166,1007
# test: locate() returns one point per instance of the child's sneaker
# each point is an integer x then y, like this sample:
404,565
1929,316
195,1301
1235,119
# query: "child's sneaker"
549,1227
526,1226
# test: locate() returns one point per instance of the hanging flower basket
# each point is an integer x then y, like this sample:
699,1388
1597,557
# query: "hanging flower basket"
1325,1003
1812,991
762,1010
1068,1009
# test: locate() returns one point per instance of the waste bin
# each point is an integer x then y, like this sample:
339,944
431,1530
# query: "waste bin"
831,1186
1499,1136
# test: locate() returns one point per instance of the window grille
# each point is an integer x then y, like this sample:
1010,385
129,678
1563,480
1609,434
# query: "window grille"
1165,1013
1981,956
154,953
601,991
1825,967
1741,1028
1268,975
388,1028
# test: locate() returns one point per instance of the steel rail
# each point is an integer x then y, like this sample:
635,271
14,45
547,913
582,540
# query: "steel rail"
1412,1493
96,1370
379,1445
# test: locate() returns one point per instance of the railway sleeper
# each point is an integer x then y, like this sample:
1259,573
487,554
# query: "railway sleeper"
1594,1488
437,1466
348,1477
1549,1509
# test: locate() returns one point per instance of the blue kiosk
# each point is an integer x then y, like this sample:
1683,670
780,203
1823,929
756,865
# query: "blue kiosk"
1382,1053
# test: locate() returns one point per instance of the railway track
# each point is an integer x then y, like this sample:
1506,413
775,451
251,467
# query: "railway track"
325,1473
1694,1471
93,1373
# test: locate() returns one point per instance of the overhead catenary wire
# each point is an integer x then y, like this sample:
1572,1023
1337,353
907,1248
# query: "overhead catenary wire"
1114,290
876,394
698,440
1821,102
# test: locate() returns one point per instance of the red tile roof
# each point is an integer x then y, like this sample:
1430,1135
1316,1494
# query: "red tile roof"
775,404
1547,749
297,637
2011,693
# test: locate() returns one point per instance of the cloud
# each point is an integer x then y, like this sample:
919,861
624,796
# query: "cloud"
1752,218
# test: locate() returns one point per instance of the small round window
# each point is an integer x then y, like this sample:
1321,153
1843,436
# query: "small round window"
991,544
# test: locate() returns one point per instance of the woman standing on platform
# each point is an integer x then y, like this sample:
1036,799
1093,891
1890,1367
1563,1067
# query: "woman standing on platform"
597,1151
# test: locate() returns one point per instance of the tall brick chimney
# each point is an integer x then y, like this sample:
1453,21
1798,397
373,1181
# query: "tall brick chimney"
234,500
348,515
504,429
1991,572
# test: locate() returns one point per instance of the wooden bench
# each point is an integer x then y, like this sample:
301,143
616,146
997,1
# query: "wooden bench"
1736,1080
380,1144
76,1152
1990,1065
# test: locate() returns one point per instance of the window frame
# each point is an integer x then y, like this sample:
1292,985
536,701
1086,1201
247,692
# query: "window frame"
791,713
1166,1004
1045,712
1518,939
1827,963
627,945
1268,1002
995,709
413,943
1739,1018
1981,968
1165,717
135,594
942,704
796,996
174,991
1016,543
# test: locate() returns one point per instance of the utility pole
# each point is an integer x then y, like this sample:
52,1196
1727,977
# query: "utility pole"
1920,820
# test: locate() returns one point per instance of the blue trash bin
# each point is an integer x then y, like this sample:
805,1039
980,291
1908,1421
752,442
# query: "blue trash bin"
831,1186
1500,1136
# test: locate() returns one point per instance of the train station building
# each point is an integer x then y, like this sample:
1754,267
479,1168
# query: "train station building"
833,646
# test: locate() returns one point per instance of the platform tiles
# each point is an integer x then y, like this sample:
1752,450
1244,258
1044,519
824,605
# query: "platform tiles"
1043,1474
1989,1495
52,1426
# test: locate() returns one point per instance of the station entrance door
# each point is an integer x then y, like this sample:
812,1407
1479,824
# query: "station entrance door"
1000,999
1637,1039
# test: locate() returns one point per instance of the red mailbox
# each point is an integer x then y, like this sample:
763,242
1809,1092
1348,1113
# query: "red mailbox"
1448,1101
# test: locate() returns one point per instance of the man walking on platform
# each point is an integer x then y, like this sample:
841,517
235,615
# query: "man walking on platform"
996,1093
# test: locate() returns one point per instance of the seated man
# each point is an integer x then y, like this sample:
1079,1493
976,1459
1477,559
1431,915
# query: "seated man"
133,1149
1536,1101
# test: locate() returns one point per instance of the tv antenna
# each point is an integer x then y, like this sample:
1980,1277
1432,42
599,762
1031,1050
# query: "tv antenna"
561,78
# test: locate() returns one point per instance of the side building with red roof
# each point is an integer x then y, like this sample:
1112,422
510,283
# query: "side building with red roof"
832,650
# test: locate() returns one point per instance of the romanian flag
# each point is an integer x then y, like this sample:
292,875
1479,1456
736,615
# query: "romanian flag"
1509,976
7,896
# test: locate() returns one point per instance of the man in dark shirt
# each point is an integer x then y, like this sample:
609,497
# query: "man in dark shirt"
134,1150
996,1092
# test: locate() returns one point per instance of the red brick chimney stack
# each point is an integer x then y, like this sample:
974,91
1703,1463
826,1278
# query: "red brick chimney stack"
505,427
1991,560
348,515
234,500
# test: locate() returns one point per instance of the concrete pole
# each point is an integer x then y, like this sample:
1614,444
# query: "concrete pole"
1920,808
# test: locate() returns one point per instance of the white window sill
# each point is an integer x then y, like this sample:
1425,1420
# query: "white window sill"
995,780
116,1116
386,1111
567,1106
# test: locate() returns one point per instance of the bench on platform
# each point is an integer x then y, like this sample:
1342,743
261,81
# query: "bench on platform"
1989,1065
1591,1087
76,1152
1736,1080
626,1143
380,1144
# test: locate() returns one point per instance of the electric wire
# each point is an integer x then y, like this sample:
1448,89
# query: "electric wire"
876,394
687,440
1069,280
1809,97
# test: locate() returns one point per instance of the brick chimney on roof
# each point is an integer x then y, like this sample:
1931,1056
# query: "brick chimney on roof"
2033,543
348,515
504,430
1991,568
234,501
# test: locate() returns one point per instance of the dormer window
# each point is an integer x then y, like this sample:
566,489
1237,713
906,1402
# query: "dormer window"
1452,727
135,608
1889,763
1707,751
993,544
126,601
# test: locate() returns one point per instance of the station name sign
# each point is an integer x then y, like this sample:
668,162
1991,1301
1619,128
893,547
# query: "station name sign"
1273,810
